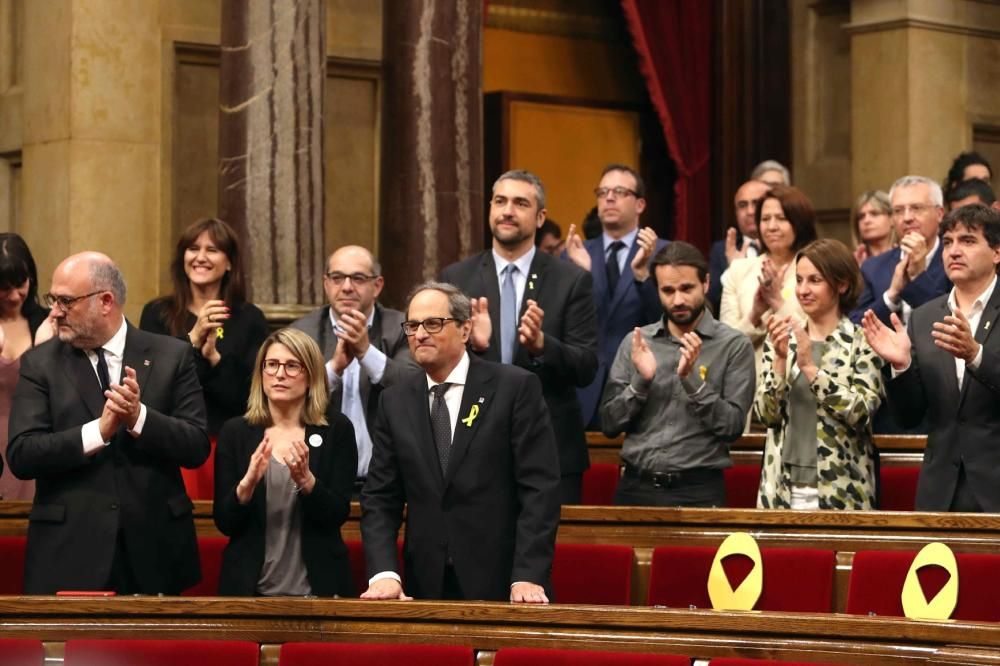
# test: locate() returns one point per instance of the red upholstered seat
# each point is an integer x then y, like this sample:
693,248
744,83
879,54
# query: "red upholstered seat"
592,574
877,581
898,488
795,579
200,482
21,652
160,653
374,654
543,657
600,483
12,564
210,553
740,661
742,482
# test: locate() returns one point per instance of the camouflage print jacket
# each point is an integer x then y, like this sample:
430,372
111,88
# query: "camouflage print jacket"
848,390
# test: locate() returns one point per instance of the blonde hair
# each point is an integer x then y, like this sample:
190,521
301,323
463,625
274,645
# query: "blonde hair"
305,349
879,200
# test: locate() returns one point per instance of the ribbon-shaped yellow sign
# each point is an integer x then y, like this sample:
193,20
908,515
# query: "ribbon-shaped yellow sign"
915,604
219,333
723,596
473,413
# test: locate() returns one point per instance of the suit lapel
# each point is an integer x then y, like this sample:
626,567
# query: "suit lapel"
535,288
490,288
599,274
624,282
987,322
476,399
82,374
136,356
418,414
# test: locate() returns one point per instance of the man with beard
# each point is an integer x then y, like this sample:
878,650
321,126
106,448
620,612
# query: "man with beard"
532,310
680,388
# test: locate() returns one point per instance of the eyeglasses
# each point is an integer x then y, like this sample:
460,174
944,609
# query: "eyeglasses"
357,279
292,368
432,325
619,192
916,209
66,302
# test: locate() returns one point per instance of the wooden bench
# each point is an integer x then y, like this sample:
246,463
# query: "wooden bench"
489,627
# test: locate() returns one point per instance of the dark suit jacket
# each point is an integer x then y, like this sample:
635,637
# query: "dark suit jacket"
494,514
631,305
133,485
387,336
569,358
877,273
964,423
324,510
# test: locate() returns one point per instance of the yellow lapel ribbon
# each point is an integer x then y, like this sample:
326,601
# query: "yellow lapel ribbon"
473,413
703,372
915,604
219,333
723,596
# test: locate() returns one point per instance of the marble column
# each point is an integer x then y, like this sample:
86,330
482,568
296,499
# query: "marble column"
271,143
432,199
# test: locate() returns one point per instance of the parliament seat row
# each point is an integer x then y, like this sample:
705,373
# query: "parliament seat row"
794,580
85,652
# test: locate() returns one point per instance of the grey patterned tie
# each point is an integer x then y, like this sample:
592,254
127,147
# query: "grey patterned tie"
508,314
441,424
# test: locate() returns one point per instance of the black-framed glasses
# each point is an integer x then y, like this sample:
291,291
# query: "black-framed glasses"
66,302
619,192
432,325
357,279
292,368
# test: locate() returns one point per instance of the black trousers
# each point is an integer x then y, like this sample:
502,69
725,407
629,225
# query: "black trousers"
692,488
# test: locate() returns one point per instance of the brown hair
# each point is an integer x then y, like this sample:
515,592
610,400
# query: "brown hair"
305,349
879,200
232,291
838,267
798,210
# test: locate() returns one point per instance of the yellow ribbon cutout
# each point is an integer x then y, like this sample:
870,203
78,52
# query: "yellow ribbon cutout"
473,413
723,596
915,603
219,333
703,372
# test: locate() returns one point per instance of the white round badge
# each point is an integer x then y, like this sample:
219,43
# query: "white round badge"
315,439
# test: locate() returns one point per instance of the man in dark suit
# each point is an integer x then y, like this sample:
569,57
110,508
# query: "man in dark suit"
101,419
549,327
618,259
946,364
912,274
363,341
742,240
468,448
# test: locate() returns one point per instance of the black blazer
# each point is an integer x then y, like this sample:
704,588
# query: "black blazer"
324,510
964,423
227,384
569,359
133,486
494,514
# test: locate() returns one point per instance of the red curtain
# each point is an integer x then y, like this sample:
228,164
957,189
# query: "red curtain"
673,39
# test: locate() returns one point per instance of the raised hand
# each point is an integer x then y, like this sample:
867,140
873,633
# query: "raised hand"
803,351
892,344
259,461
482,326
529,333
642,356
48,328
646,240
209,352
778,332
575,250
341,358
352,328
690,348
297,461
211,316
124,399
861,253
900,278
914,245
954,335
732,253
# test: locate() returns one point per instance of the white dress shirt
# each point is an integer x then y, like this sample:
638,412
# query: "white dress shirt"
114,356
974,315
520,278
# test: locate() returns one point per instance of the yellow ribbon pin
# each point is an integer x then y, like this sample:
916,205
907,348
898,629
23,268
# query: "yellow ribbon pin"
703,372
473,413
219,333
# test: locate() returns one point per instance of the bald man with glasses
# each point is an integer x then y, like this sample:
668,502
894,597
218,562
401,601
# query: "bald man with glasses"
362,340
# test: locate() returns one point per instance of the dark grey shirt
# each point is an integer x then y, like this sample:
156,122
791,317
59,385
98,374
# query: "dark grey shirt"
284,572
673,424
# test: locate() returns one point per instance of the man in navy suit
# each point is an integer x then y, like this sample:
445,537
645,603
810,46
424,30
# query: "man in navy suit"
618,259
912,274
550,328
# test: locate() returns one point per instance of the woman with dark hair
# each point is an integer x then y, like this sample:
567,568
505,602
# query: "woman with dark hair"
756,288
873,231
966,166
208,307
819,390
21,323
284,473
